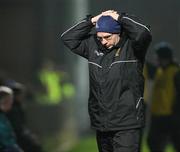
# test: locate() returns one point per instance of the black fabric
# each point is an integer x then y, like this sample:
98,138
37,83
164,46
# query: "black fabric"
119,141
116,79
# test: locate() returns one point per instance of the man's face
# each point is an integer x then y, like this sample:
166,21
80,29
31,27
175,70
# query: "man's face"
108,39
6,104
163,62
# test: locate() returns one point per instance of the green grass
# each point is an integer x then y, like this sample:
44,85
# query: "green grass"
87,144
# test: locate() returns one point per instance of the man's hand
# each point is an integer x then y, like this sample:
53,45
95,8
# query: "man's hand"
111,13
95,19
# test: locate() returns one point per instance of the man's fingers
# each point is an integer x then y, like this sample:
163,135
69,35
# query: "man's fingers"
108,11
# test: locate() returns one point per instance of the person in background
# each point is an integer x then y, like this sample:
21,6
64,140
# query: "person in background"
165,123
25,138
115,53
8,141
50,80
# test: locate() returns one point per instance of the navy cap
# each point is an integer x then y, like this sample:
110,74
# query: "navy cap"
108,24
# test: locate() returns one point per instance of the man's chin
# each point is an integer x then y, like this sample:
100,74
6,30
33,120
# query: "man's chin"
109,47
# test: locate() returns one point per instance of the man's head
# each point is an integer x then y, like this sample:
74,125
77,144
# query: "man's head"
18,90
6,98
108,31
164,53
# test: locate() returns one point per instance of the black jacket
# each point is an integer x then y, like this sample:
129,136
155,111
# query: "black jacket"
116,80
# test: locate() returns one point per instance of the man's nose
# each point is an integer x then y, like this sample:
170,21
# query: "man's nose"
104,41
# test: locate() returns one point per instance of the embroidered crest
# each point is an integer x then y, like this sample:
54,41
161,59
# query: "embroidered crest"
98,53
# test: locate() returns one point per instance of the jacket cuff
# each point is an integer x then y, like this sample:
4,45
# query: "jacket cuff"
88,19
121,15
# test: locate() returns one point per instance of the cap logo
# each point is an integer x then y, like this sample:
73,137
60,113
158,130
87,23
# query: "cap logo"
97,26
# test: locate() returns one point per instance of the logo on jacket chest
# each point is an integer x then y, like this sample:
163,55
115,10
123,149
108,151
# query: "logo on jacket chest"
98,53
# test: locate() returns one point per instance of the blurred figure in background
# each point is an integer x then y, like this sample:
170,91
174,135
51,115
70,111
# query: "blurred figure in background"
165,124
55,90
7,136
55,84
25,138
50,79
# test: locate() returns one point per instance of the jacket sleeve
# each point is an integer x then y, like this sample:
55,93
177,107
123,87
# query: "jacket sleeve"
76,38
137,32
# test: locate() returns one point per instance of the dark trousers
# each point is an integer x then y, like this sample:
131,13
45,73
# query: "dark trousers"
163,131
119,141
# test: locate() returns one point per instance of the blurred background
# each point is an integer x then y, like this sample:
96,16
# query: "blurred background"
55,79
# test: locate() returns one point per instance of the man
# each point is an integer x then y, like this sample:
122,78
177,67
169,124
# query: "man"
165,124
17,117
7,137
115,54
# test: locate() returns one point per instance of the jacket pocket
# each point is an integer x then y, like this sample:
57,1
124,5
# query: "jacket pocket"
140,109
